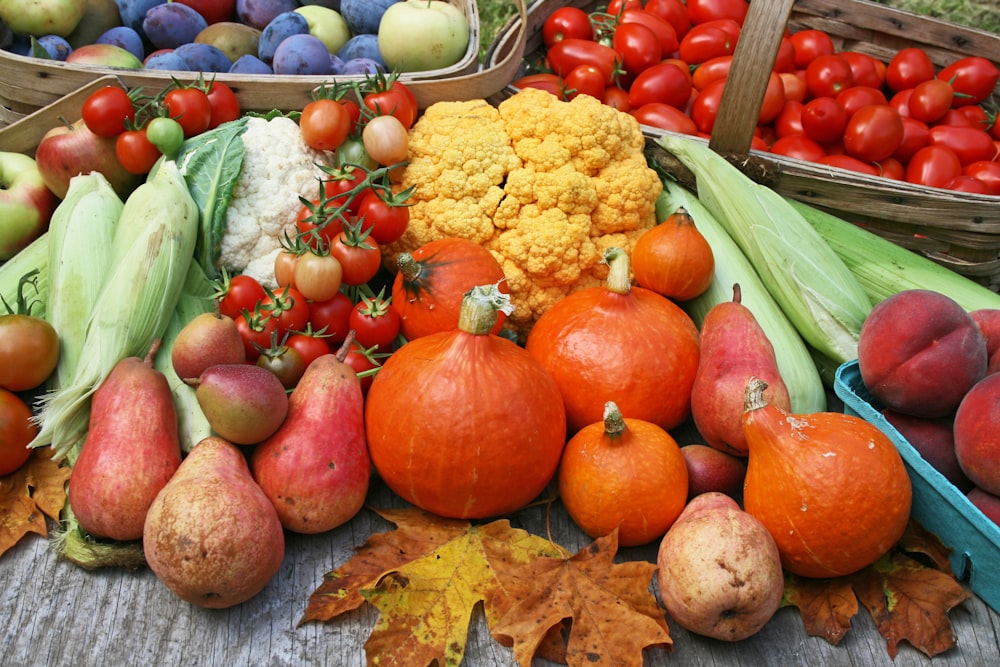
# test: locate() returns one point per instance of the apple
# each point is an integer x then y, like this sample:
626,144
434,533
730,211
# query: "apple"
213,11
26,203
104,55
421,35
68,150
42,17
326,25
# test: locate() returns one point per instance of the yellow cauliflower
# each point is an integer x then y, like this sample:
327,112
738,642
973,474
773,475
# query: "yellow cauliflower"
545,185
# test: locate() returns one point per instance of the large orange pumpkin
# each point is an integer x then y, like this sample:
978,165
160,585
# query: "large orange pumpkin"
465,424
830,487
618,343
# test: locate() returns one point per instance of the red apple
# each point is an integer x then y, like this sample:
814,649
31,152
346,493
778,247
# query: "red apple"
711,469
26,203
987,503
68,150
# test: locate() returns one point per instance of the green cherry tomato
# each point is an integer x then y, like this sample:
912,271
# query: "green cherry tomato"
166,134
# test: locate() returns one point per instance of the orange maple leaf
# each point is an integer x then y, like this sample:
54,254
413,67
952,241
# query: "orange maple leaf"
36,490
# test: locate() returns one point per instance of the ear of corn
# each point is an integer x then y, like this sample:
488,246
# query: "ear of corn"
35,257
80,235
884,268
795,364
136,301
810,282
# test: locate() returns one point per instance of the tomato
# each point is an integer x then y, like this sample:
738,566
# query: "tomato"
702,11
375,322
616,97
585,80
284,267
964,183
933,166
705,107
239,293
353,110
828,75
909,67
637,47
865,69
977,115
957,118
986,171
309,345
339,189
774,99
616,7
286,306
255,329
842,161
29,347
331,317
674,11
397,100
191,108
318,277
972,77
710,70
901,102
358,256
704,42
892,168
386,140
566,54
970,144
663,82
798,146
916,135
824,120
665,117
325,124
364,363
16,431
547,81
789,121
856,97
284,362
784,61
166,134
387,219
319,222
136,152
225,105
566,22
795,86
809,44
930,100
106,111
352,151
873,133
666,35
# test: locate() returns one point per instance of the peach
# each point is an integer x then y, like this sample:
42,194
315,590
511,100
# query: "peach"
987,503
977,434
988,320
919,352
934,439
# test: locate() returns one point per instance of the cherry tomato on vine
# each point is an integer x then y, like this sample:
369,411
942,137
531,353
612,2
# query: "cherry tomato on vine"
358,255
239,293
29,345
106,110
362,361
166,134
283,361
255,327
387,220
225,105
318,223
386,140
16,431
909,67
318,277
584,80
287,307
397,100
325,124
332,317
310,346
136,152
191,108
338,185
566,22
284,267
375,322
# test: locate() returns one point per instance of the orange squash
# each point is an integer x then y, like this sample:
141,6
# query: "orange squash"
673,258
464,423
428,288
830,487
621,343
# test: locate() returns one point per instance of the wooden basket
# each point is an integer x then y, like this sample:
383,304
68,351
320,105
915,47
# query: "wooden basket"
958,230
27,84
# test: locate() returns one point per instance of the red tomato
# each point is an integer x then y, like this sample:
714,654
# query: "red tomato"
798,146
873,133
784,61
930,100
674,11
396,100
359,259
808,44
325,123
375,323
795,86
970,184
566,54
702,11
308,346
865,69
706,41
710,70
240,293
16,431
789,121
957,118
318,223
225,105
363,362
387,220
824,119
255,329
190,107
972,77
842,161
287,307
340,184
856,97
106,110
774,99
828,75
616,7
977,115
933,166
547,81
901,102
916,135
909,67
566,22
585,80
332,317
892,168
615,96
666,35
136,152
665,117
986,171
663,82
705,107
970,144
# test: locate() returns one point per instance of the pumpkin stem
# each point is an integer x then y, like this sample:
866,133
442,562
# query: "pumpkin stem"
480,306
408,267
614,422
619,278
754,399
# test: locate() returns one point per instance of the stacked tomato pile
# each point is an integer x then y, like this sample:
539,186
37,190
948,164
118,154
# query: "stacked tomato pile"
666,63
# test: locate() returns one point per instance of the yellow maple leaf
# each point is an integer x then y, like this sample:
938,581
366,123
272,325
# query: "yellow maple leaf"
36,490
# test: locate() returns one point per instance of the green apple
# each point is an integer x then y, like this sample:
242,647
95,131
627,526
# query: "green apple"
327,25
42,17
26,203
421,35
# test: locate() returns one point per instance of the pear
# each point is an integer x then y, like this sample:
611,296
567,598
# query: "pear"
130,452
316,468
733,348
212,536
208,339
243,403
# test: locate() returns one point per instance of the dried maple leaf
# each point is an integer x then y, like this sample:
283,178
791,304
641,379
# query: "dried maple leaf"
614,617
28,495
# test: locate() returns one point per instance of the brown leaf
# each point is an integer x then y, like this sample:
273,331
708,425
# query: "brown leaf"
28,495
613,614
826,605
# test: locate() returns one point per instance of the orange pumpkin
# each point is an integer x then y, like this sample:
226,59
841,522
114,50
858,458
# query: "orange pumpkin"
621,343
464,423
428,288
673,258
830,487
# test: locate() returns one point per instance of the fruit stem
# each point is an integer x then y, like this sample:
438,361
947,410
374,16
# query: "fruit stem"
614,422
754,399
408,267
480,306
619,278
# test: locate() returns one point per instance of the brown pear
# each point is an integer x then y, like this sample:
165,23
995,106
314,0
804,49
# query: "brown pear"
733,349
208,339
212,536
130,452
243,403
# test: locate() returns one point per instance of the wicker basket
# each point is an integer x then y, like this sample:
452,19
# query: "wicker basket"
27,84
958,230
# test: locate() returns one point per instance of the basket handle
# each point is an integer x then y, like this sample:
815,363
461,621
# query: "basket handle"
753,61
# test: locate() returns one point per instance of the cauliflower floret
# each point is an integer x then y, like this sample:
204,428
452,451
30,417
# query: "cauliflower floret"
278,167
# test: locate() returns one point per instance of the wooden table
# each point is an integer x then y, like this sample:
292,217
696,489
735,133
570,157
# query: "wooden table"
57,614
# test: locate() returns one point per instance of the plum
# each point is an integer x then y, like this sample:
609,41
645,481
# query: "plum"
125,37
166,59
203,57
280,28
250,64
57,47
132,12
361,66
363,16
362,46
258,13
170,25
301,54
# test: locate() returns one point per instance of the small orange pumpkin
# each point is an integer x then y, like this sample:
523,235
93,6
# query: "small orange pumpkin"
673,258
830,487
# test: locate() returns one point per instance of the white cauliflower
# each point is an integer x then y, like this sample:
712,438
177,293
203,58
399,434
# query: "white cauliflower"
278,167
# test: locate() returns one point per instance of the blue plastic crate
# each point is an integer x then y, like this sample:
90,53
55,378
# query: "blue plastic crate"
937,504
